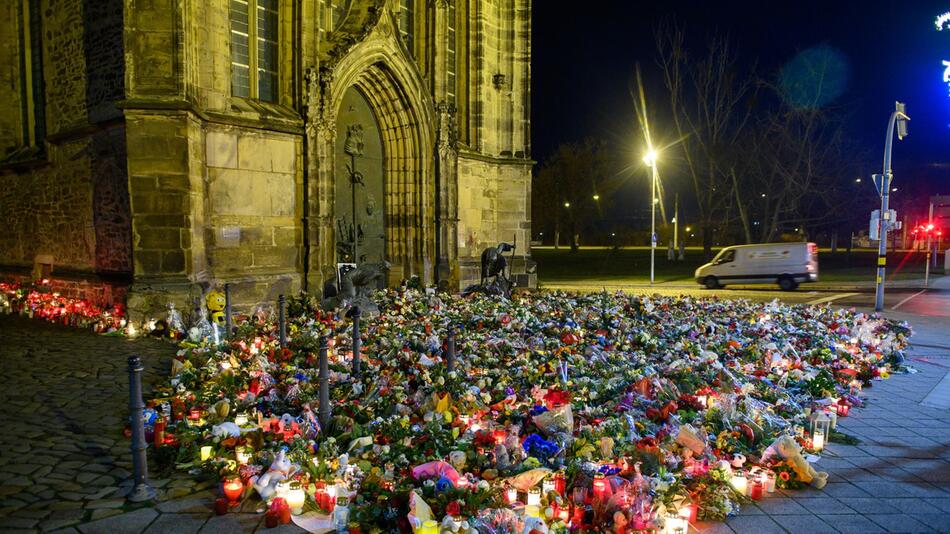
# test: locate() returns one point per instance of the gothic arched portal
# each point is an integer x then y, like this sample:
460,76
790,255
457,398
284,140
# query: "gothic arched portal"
359,182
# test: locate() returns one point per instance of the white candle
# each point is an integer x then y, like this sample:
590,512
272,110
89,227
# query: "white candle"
534,497
547,486
512,495
740,483
675,525
818,439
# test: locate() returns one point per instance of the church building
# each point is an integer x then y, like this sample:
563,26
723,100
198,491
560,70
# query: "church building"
151,148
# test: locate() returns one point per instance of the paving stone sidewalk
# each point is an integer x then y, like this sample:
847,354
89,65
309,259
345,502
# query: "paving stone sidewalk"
64,465
896,480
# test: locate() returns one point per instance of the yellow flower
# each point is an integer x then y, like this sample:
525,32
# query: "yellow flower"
885,375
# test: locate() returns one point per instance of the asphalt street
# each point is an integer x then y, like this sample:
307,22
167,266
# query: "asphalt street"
909,299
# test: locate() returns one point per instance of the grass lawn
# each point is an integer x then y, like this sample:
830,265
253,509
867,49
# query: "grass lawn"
632,265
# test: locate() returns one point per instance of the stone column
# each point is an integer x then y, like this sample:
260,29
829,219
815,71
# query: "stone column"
447,193
321,135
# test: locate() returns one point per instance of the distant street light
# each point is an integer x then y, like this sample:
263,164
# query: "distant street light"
688,228
567,204
596,196
857,180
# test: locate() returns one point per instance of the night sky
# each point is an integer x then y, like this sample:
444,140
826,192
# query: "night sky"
583,68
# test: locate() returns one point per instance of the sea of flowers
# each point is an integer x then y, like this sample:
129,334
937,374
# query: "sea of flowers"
38,301
596,413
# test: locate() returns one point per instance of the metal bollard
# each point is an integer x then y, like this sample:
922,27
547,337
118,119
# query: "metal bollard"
282,320
450,350
227,311
141,491
355,312
324,411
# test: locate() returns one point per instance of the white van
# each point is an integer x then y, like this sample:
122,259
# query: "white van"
786,264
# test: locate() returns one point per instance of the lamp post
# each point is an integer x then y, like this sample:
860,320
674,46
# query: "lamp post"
899,118
650,160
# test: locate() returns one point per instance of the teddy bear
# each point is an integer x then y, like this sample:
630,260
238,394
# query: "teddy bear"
216,302
280,469
788,449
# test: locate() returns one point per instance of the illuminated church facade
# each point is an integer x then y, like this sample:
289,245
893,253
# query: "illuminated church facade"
149,148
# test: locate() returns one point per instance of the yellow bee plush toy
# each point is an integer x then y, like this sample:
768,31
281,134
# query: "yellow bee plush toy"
216,302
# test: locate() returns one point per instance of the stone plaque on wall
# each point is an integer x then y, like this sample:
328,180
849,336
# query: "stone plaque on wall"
229,236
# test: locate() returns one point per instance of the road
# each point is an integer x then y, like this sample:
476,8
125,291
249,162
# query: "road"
908,297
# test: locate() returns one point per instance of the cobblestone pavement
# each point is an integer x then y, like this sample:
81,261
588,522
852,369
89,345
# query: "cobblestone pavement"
64,465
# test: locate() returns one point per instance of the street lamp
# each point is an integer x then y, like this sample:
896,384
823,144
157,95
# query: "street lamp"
883,183
650,158
596,196
567,204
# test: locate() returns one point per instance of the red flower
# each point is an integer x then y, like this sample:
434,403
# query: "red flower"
453,509
553,399
784,476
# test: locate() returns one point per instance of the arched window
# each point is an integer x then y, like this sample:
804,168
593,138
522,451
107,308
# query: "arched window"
450,55
254,49
406,22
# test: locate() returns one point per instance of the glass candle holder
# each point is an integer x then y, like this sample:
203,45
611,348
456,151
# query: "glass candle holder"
534,497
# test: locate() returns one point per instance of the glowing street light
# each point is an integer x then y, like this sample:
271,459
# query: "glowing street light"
650,158
596,196
567,204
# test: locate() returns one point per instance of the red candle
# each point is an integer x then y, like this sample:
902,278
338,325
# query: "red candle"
600,486
159,433
271,519
560,483
221,506
233,488
756,490
843,409
578,519
689,511
194,414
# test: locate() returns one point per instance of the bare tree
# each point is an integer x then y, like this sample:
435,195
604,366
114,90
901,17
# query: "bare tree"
711,103
565,186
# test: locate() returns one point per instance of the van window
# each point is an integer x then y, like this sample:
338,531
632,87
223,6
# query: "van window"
726,256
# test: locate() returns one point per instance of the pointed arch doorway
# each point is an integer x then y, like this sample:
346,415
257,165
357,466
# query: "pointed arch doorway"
395,205
359,189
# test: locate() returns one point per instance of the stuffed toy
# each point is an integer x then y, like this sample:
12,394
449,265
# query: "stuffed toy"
280,469
436,469
216,302
788,449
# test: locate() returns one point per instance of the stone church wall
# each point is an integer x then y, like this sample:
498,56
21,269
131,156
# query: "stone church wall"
494,198
65,197
255,199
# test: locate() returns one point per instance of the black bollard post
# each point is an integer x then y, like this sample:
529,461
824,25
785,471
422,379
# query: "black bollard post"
324,411
282,320
450,350
357,341
141,491
227,310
